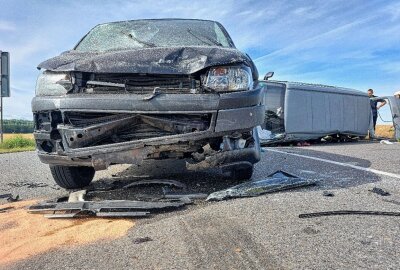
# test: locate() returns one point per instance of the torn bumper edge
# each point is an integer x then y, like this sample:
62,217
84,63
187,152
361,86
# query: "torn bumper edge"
100,157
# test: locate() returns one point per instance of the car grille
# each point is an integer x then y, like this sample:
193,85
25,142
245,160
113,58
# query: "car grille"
144,84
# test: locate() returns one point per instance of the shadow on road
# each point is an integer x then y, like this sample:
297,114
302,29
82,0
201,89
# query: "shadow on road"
330,176
206,181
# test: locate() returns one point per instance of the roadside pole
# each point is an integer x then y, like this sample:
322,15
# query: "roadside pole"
4,85
1,117
1,98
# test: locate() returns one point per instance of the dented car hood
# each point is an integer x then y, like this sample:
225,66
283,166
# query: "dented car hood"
159,60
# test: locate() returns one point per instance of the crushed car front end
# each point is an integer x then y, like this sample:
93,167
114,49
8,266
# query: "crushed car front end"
98,129
122,107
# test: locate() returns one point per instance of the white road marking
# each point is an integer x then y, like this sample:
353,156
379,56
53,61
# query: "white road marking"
337,163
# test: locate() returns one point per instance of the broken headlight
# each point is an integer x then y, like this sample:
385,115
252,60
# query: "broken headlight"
53,84
225,79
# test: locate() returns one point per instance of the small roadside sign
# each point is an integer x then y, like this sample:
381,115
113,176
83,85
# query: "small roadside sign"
5,74
4,85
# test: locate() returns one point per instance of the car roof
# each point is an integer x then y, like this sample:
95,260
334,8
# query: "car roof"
160,19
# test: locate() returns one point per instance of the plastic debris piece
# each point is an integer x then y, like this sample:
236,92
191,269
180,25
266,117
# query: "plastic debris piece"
380,191
385,142
113,208
5,196
142,240
9,197
328,193
277,181
13,199
157,182
263,134
77,196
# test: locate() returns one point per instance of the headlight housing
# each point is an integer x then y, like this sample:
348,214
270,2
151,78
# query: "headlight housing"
230,78
53,84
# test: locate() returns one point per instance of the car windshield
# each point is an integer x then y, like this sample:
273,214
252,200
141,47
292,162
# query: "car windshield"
154,33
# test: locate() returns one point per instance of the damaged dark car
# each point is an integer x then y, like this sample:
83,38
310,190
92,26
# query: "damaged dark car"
148,89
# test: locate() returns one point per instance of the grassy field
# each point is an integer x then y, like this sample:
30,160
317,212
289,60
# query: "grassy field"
17,143
12,135
385,131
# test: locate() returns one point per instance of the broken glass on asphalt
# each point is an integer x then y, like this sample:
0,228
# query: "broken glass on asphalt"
274,182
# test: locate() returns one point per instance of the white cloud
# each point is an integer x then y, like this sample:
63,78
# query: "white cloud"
391,67
7,26
18,106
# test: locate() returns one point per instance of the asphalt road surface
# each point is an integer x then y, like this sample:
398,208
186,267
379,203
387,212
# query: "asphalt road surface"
263,232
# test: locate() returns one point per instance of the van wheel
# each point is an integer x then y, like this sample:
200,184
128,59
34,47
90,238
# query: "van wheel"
72,177
242,173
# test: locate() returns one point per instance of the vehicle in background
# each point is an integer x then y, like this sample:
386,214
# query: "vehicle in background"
300,111
394,104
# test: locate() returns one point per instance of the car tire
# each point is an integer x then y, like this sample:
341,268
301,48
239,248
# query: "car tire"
72,177
242,173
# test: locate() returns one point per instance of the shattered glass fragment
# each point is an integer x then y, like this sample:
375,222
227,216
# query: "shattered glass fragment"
274,182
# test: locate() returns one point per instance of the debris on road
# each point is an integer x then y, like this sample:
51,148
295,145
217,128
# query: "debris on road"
77,196
5,196
328,193
168,194
5,209
274,182
13,199
380,191
385,142
28,184
9,197
116,208
141,240
349,212
157,182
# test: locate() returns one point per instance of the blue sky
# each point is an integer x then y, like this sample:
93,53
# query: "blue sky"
350,43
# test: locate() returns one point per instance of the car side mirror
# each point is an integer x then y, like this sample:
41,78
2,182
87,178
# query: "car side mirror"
268,75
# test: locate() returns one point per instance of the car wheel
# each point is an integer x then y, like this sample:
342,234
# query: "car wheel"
242,173
72,177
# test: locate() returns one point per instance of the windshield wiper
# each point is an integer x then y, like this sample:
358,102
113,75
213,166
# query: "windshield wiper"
214,42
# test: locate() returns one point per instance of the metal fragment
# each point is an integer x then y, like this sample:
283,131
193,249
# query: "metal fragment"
114,208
